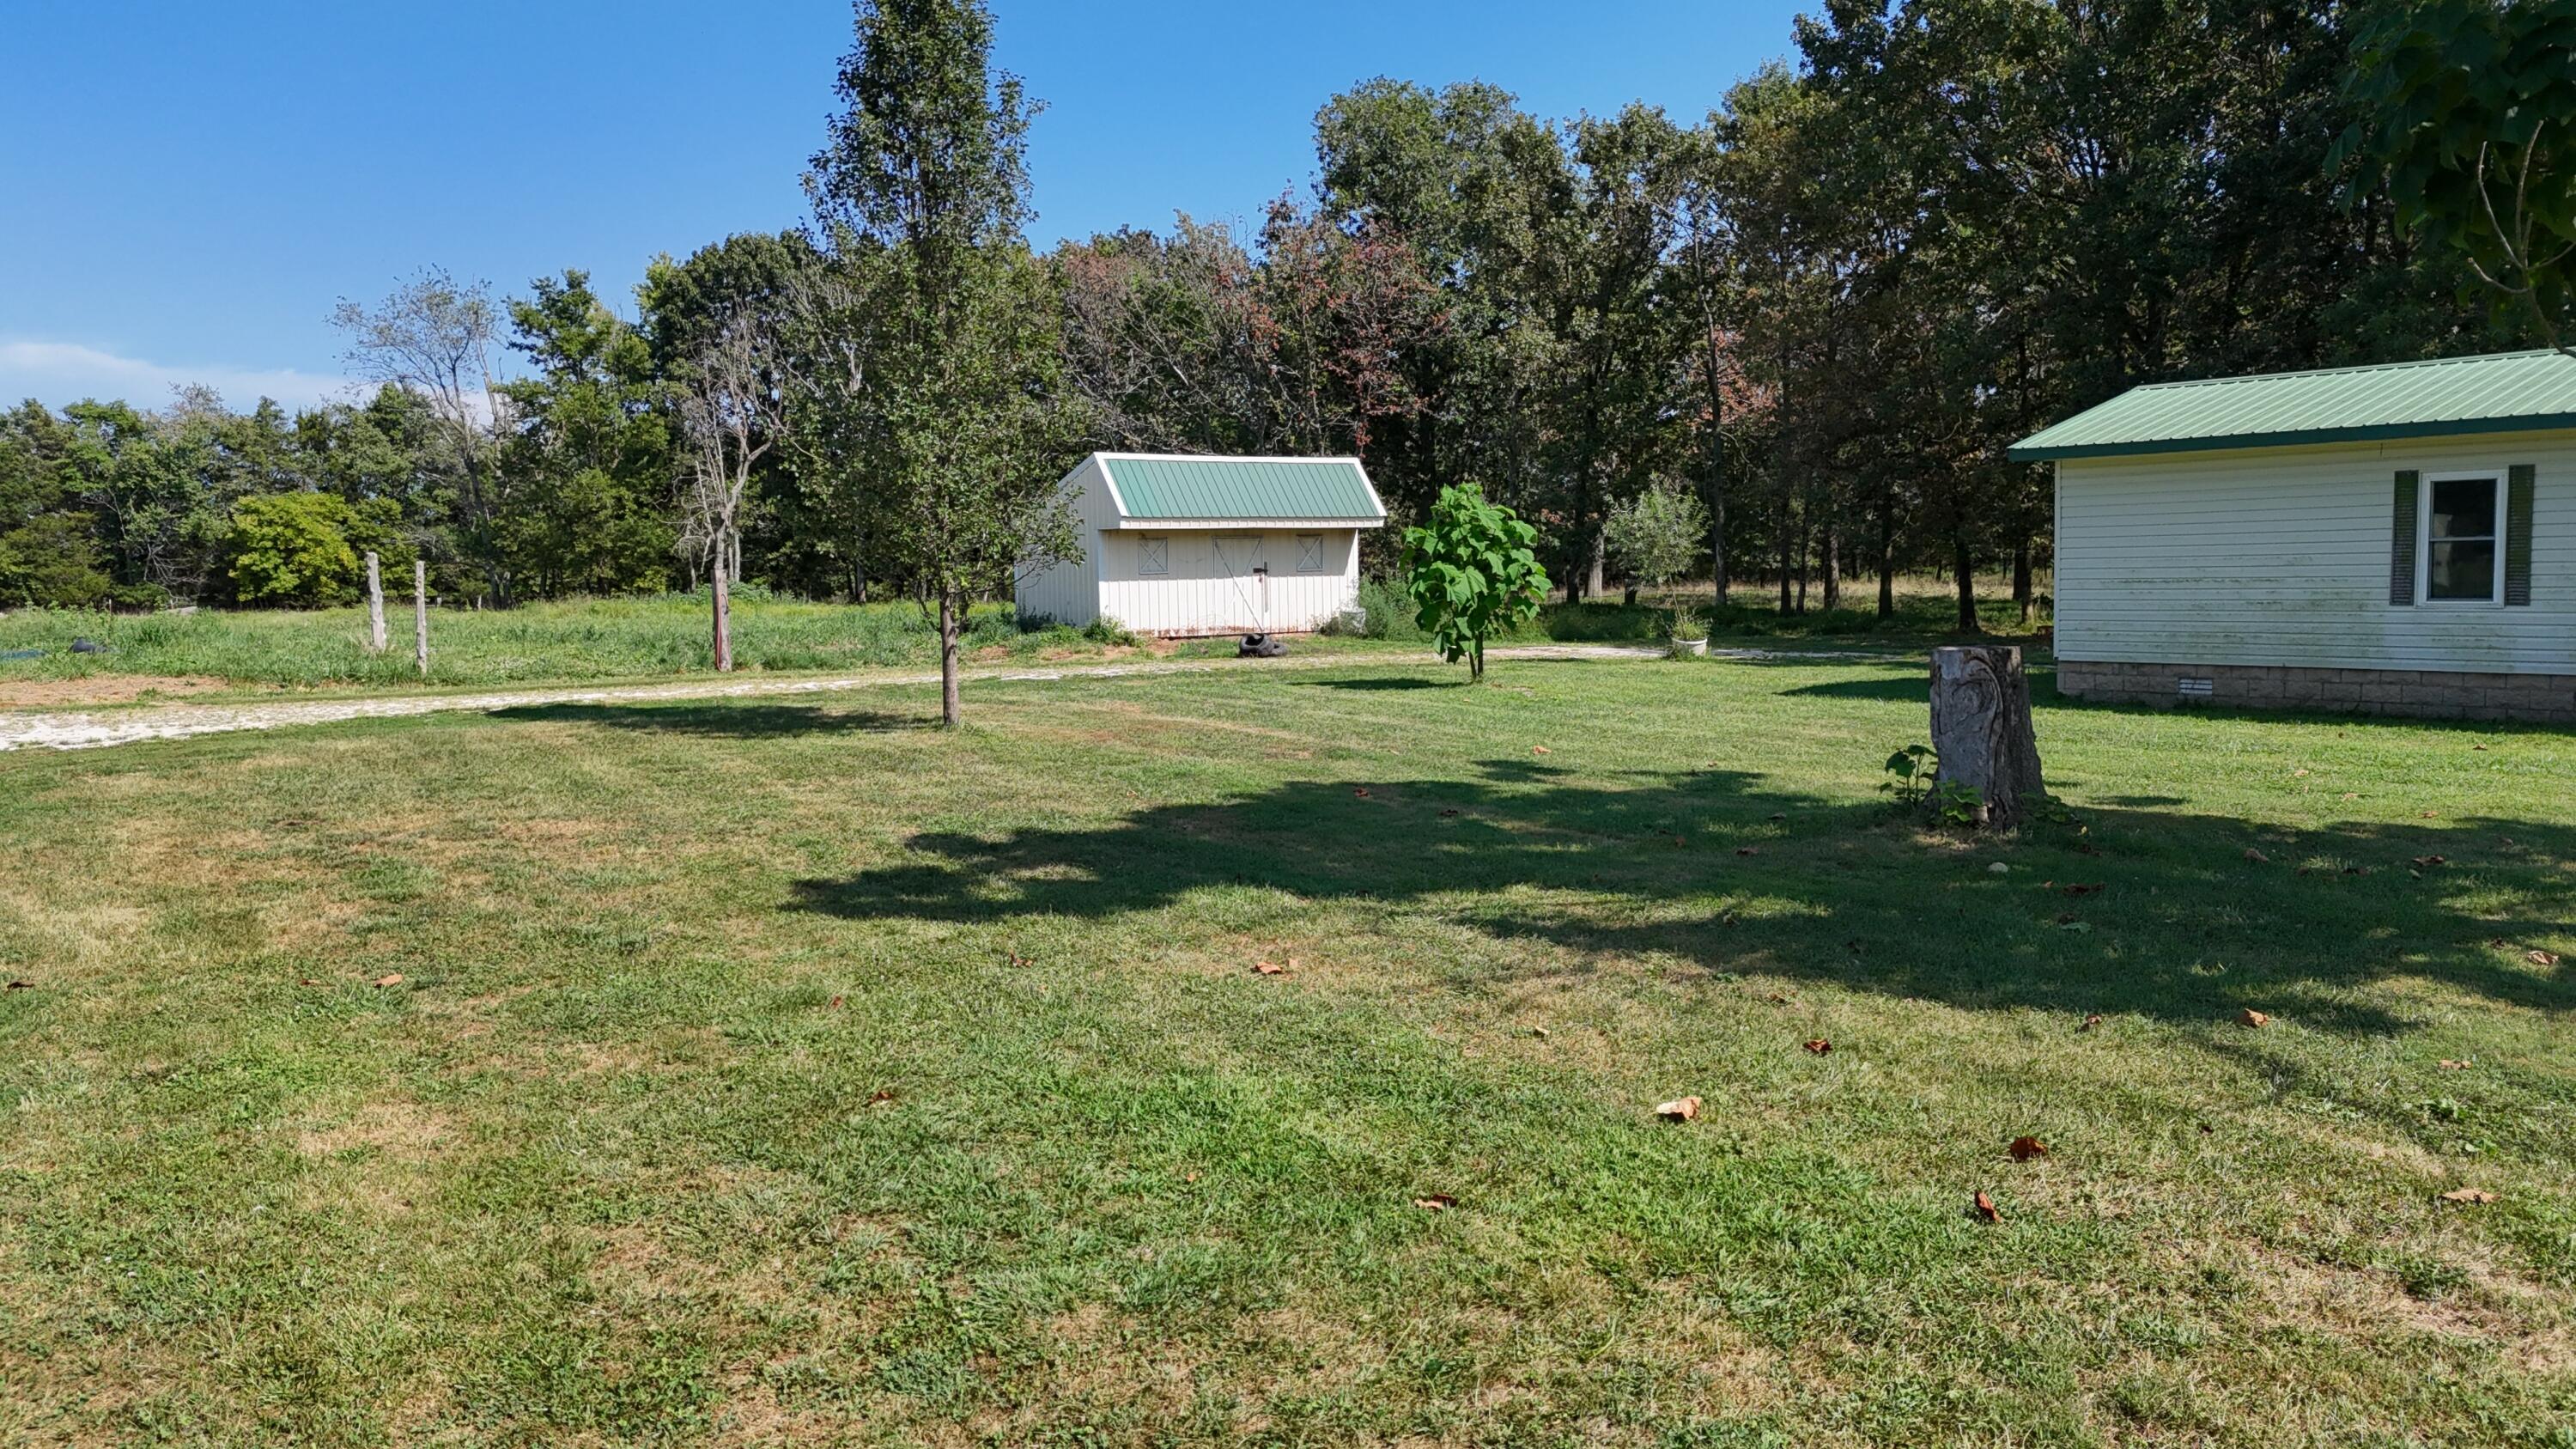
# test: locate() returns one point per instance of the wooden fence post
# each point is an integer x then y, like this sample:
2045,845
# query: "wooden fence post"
375,605
1981,730
420,615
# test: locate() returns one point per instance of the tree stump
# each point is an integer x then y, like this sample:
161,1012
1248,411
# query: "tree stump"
1982,732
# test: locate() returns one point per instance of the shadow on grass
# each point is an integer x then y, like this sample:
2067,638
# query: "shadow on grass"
1375,684
1715,870
721,721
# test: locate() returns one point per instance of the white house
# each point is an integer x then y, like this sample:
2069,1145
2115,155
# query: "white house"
2394,539
1181,545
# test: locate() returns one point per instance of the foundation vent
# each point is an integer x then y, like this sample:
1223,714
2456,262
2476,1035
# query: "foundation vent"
2189,688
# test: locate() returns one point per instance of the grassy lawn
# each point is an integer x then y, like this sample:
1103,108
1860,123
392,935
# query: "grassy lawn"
217,652
786,1072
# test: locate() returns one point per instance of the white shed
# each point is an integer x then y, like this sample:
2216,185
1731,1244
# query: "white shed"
1179,545
2393,539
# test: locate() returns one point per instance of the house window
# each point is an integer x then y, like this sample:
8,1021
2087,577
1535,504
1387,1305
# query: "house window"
1153,555
1310,553
2463,540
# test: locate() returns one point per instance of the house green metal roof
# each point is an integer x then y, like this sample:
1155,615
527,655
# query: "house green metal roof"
1201,489
2499,393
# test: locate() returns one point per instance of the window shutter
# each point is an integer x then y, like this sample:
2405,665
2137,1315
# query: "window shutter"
2517,535
2401,541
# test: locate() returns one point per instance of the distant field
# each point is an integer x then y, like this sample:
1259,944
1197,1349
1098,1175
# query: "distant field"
787,1072
597,639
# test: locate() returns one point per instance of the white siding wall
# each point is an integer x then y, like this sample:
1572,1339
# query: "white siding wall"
2281,556
1070,592
1208,587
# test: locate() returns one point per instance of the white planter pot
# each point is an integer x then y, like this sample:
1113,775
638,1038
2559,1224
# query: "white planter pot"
1688,648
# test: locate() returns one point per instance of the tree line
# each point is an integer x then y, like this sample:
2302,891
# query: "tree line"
1809,321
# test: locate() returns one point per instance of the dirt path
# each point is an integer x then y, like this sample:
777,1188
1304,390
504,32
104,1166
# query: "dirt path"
77,731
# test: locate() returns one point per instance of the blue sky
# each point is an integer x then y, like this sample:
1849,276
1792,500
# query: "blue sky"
186,189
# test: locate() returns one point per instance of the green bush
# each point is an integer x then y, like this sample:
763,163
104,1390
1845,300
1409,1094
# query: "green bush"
292,549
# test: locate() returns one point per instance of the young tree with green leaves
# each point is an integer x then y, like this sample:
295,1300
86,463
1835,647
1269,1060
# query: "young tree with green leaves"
1654,538
1473,573
933,375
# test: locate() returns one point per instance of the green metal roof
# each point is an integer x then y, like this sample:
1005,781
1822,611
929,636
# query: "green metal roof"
1208,488
2499,393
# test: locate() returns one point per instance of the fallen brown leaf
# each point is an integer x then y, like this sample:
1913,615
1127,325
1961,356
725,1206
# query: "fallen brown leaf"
834,1004
390,978
2429,815
2430,860
2256,856
880,1096
1438,1202
2351,795
30,985
1269,968
1679,1109
1019,960
1189,1177
2468,1194
2538,957
1818,1045
1744,850
300,981
2295,774
1986,1208
2449,1065
1361,791
1540,1032
2023,1149
1452,810
2091,1022
2084,890
2250,1017
1540,750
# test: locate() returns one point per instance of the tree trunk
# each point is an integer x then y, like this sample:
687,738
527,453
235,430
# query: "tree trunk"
1717,530
1785,583
1966,568
1886,561
2021,580
723,617
950,714
1981,730
1833,567
1600,553
375,605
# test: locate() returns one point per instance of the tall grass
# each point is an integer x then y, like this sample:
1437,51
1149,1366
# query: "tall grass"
568,640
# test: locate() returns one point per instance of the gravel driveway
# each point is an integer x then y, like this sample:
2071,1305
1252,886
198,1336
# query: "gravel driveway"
65,730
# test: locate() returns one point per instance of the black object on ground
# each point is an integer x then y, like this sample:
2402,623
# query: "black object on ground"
88,646
1260,646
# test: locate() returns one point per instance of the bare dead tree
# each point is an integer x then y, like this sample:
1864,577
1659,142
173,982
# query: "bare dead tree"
435,338
2523,262
729,406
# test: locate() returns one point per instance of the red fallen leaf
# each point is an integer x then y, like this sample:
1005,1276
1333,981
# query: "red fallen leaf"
1361,791
2449,1065
2085,890
1438,1202
2091,1022
390,978
1269,968
1818,1045
834,1004
2539,957
2250,1017
1679,1109
2256,856
2023,1149
1744,850
880,1096
1541,750
1986,1208
2468,1194
2430,860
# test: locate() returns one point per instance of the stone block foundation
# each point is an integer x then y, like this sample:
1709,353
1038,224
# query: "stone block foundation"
2423,694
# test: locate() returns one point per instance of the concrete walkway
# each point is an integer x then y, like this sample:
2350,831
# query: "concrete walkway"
79,731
